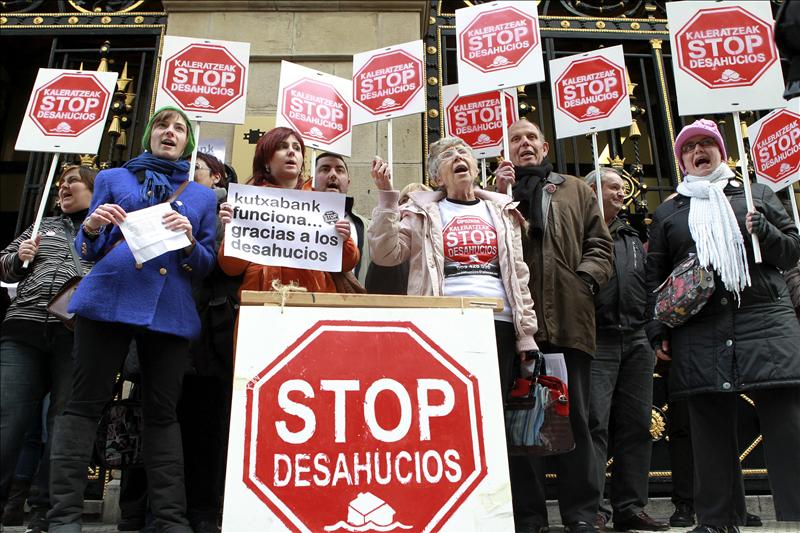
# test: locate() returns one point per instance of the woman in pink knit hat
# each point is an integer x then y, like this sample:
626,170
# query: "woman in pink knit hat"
744,340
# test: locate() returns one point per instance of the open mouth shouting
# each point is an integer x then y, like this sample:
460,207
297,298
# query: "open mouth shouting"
460,167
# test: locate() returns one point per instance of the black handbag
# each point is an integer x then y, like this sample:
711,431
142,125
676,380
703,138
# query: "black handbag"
118,444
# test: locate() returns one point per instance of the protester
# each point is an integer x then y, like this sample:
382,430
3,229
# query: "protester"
121,299
622,372
444,261
392,279
278,162
568,251
744,339
36,347
204,407
332,175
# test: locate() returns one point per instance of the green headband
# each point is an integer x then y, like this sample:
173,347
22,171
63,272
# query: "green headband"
190,140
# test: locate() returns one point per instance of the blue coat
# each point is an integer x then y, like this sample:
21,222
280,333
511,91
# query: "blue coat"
157,296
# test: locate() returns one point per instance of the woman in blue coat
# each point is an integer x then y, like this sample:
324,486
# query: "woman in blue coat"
121,300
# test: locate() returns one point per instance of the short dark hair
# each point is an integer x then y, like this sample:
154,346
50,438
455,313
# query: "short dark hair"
85,173
215,166
335,156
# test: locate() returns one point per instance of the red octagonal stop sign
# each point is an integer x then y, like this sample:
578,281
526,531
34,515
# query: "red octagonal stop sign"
498,39
204,77
590,89
387,82
776,148
316,110
341,433
69,105
725,47
476,118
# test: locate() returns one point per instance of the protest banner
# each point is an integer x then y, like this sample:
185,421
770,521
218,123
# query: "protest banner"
476,118
591,95
775,146
724,56
66,113
329,435
206,79
498,46
316,105
590,92
285,227
388,83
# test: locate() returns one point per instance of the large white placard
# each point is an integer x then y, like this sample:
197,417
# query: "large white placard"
353,419
285,227
475,118
388,83
590,92
724,56
67,111
318,106
205,78
498,46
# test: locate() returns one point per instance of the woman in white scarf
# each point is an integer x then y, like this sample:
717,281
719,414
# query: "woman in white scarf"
746,338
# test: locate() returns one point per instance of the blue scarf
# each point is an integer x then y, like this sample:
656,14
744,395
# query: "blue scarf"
157,175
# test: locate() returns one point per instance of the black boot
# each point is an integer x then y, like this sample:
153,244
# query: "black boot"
14,511
163,460
73,439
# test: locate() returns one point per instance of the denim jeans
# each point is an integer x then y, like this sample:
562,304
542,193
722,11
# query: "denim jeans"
34,359
622,396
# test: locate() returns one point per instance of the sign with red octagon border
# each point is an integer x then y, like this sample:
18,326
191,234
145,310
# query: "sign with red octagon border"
362,439
590,91
205,78
317,105
476,118
388,83
724,56
498,46
776,148
67,111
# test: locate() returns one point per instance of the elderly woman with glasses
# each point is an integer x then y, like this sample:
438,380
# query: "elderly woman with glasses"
459,241
745,338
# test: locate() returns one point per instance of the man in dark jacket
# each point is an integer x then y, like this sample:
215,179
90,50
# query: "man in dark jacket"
332,175
622,372
568,250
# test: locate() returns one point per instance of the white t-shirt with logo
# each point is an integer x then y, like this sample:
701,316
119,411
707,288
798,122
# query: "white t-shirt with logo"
471,265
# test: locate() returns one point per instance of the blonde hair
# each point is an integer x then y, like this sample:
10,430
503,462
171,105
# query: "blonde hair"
412,187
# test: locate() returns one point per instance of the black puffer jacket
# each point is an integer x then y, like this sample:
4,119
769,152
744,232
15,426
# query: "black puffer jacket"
620,305
728,347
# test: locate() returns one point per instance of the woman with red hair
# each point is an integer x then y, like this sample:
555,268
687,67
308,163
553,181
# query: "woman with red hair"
278,162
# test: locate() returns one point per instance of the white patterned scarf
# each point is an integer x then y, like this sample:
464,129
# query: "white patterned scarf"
714,228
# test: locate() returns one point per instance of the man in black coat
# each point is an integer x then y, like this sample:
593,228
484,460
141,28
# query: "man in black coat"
622,372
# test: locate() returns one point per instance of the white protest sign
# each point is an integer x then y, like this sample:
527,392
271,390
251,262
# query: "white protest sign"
724,56
285,227
327,435
67,111
476,118
590,92
498,46
205,78
388,83
775,147
316,105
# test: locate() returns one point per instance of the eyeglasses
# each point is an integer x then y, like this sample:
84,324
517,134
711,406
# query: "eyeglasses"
705,143
198,168
451,153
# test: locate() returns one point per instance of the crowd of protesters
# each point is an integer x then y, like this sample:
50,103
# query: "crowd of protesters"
573,281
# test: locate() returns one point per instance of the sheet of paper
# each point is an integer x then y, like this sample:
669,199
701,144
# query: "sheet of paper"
556,366
147,236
